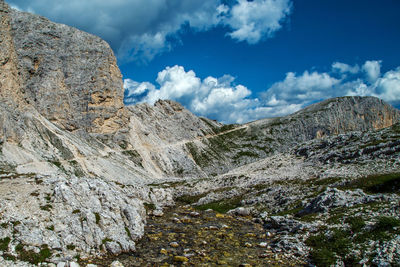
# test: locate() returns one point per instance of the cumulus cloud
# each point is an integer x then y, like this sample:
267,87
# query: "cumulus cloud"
297,89
372,70
224,100
212,97
253,21
388,87
140,29
344,68
309,88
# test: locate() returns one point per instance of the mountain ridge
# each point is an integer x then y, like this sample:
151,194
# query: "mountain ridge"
80,172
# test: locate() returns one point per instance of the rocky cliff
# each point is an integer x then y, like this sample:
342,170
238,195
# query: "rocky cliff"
69,76
77,168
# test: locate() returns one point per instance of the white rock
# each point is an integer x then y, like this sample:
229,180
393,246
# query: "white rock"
116,264
263,244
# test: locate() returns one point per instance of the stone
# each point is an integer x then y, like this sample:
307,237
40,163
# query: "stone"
158,213
263,245
194,214
248,245
73,264
174,244
180,259
116,264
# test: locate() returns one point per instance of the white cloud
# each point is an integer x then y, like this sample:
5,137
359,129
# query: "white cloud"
372,70
298,89
213,97
141,29
253,21
345,68
388,87
223,100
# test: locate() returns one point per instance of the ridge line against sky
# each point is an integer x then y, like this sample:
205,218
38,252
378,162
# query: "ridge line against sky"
241,60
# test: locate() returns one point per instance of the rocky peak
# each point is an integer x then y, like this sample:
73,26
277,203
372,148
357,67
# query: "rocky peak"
69,76
352,113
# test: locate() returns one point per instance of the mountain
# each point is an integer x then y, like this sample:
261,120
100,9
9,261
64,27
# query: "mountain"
80,173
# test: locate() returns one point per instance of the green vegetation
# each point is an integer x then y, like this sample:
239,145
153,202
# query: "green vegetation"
59,165
4,243
97,216
134,156
385,223
149,206
31,256
222,206
123,144
356,223
326,247
201,158
127,231
46,207
76,211
77,168
189,199
217,130
51,228
70,247
35,194
330,245
105,240
249,154
386,183
57,143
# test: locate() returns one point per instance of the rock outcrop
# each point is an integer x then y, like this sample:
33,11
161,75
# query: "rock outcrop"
69,76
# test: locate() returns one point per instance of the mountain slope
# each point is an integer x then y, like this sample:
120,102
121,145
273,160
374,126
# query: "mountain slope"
77,168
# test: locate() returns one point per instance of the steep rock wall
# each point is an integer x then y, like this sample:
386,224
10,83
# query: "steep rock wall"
69,76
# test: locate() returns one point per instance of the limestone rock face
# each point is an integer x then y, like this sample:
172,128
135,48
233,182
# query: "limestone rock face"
159,134
69,76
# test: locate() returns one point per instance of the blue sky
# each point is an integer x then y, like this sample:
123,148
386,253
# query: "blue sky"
237,61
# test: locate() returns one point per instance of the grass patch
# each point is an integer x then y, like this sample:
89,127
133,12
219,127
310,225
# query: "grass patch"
46,207
127,231
356,223
386,183
70,247
327,247
97,216
330,245
76,211
4,243
386,223
248,154
149,206
77,168
222,206
189,199
32,257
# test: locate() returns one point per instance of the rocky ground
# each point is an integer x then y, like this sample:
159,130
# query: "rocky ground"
185,236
